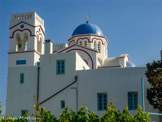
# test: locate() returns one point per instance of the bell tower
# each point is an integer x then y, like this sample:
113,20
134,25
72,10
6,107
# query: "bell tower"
26,44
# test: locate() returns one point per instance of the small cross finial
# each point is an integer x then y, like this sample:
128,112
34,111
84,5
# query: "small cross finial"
87,19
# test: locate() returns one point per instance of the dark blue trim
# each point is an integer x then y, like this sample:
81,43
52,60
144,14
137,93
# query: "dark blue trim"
20,62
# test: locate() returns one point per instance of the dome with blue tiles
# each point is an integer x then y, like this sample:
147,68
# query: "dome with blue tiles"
130,64
87,28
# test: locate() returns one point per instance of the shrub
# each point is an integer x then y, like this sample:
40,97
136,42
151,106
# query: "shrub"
84,115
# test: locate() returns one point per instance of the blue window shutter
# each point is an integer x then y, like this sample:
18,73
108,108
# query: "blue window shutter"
102,101
105,101
23,112
57,67
63,67
132,100
62,104
135,101
21,78
60,67
20,62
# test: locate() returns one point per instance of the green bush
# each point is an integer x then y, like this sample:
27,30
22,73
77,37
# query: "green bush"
83,115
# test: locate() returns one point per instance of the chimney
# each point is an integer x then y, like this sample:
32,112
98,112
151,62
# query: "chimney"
48,46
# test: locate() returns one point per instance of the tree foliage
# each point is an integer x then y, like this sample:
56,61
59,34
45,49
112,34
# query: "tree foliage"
84,115
154,75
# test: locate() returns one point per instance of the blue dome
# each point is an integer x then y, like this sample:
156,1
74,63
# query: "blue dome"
130,64
88,28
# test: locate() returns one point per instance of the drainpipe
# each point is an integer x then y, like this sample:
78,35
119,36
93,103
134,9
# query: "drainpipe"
76,77
38,87
76,88
142,89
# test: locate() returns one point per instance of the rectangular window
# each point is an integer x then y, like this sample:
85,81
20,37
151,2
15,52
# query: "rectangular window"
62,104
21,78
20,62
23,112
102,101
60,66
132,100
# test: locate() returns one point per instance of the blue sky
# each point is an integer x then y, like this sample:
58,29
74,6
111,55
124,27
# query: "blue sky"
131,26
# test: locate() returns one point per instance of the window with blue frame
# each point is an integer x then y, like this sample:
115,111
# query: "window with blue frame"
60,67
21,78
132,100
102,101
23,112
62,104
20,62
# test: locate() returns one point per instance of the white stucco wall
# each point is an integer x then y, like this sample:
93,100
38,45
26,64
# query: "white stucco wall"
80,63
21,96
51,83
30,57
116,82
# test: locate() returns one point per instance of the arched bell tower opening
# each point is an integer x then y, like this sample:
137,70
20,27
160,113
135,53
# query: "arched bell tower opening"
25,41
18,42
39,44
21,43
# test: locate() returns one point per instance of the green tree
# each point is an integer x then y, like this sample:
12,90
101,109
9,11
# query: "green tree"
154,75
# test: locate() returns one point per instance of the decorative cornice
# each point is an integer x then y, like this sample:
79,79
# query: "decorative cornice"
81,35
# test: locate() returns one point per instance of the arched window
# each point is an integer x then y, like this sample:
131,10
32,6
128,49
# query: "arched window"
39,44
85,43
80,43
18,42
99,47
95,45
25,41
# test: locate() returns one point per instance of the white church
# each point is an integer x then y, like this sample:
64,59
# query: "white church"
68,74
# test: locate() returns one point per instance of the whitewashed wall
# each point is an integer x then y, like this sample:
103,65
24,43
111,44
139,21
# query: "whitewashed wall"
21,96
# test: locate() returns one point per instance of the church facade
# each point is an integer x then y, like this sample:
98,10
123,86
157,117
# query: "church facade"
68,74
